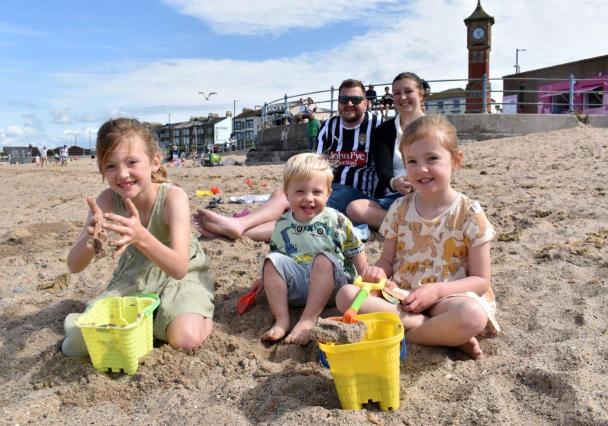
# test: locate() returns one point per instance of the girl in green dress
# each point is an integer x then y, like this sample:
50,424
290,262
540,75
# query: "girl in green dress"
158,253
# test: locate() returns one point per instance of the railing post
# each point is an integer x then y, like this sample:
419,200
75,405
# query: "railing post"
331,107
571,100
484,91
285,107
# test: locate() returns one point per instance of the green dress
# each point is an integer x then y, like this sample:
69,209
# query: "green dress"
135,273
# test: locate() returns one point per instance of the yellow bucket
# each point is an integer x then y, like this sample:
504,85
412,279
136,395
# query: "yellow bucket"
368,371
118,331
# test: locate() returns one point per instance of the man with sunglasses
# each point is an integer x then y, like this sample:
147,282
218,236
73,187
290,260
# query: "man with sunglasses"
346,140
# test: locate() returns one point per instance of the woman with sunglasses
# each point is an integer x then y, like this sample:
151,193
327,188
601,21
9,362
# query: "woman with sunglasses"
408,98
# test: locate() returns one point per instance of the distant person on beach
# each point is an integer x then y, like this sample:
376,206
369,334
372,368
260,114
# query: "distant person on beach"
386,102
174,156
310,105
63,155
312,130
371,96
436,249
346,140
43,156
158,253
194,156
313,250
408,97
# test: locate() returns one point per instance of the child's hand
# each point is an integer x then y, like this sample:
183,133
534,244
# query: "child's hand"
257,286
402,185
373,274
421,298
129,228
97,235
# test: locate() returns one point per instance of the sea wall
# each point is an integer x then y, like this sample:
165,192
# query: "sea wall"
277,144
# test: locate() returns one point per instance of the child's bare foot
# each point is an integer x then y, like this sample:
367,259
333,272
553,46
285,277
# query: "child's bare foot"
277,332
471,349
300,335
210,222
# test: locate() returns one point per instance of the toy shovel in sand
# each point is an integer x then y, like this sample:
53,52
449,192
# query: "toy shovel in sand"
350,316
247,300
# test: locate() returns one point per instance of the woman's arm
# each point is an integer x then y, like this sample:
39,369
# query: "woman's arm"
382,150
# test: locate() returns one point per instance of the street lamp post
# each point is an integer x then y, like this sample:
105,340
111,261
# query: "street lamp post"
517,50
233,112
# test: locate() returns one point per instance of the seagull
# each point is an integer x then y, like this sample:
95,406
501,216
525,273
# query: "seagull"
207,96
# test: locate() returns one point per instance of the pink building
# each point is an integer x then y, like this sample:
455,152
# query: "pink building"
554,98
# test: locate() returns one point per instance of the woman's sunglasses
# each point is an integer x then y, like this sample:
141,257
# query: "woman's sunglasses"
356,100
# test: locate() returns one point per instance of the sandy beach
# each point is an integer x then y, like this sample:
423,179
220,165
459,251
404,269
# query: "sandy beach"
547,196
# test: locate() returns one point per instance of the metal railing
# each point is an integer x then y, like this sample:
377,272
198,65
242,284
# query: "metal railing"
279,108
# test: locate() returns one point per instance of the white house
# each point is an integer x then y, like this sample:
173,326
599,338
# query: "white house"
222,130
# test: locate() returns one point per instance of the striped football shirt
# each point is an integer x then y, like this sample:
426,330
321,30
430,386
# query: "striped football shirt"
348,151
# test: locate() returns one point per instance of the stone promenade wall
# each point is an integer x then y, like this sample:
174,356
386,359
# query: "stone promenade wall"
277,144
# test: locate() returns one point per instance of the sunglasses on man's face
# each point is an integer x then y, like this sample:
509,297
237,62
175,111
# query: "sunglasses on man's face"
355,100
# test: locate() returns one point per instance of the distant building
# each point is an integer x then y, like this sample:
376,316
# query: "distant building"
247,124
19,151
451,101
522,95
588,96
198,132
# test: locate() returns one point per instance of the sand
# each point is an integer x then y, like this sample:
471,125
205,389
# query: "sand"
546,194
334,330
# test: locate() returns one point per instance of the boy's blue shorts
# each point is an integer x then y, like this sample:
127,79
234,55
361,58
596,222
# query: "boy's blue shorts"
297,277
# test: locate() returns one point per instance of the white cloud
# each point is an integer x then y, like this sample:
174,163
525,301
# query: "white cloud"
16,131
31,131
430,39
87,118
61,116
430,44
245,17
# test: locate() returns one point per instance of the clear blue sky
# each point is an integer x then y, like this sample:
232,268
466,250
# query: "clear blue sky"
66,66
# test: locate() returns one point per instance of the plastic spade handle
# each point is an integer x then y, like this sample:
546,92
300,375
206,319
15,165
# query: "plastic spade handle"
350,315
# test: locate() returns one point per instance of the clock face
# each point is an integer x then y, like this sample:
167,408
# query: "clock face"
478,33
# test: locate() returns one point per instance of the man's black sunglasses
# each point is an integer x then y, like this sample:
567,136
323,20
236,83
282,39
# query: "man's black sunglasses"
356,100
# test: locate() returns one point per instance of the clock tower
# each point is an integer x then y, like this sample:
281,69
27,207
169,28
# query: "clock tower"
479,31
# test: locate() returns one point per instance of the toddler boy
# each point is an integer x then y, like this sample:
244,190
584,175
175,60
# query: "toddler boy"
313,251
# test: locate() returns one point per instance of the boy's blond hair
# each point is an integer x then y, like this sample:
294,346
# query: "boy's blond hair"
305,166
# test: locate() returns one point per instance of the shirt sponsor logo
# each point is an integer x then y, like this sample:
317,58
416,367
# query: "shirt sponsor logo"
348,158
